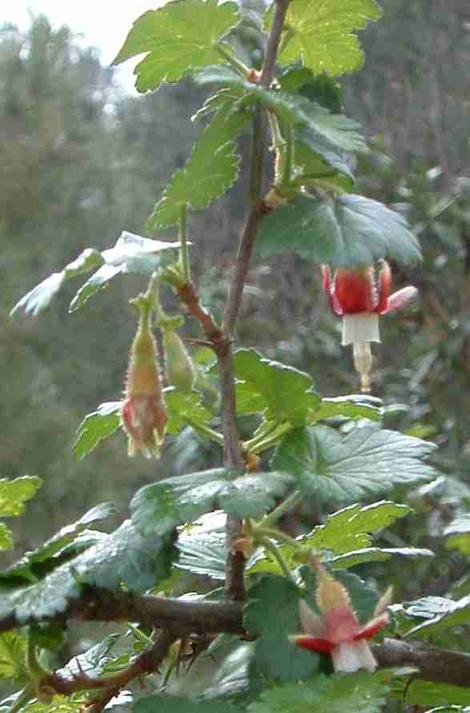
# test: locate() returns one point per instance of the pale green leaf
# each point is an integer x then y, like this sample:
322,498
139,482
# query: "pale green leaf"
92,662
59,704
185,409
62,546
358,692
285,393
428,607
131,254
342,468
96,427
13,655
451,614
458,534
14,494
377,554
349,407
321,34
345,231
40,297
203,554
233,674
123,557
6,537
178,38
350,529
158,508
210,171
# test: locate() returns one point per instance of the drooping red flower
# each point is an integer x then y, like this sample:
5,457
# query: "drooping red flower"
359,296
144,415
338,631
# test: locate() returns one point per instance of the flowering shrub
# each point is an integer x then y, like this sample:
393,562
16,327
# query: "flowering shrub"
208,568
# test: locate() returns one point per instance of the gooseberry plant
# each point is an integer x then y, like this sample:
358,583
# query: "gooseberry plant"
208,575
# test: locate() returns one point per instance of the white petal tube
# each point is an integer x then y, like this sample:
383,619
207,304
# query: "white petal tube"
361,327
352,656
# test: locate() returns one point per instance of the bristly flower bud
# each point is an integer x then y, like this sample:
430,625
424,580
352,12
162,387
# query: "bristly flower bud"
144,415
179,368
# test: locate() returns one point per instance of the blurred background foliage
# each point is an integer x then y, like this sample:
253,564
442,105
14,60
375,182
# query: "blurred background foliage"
80,161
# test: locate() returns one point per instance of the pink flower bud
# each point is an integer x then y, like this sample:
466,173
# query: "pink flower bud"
144,415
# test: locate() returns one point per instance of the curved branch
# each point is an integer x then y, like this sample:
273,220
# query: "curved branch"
180,617
433,664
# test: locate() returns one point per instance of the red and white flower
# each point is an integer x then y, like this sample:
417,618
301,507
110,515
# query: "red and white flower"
359,296
338,631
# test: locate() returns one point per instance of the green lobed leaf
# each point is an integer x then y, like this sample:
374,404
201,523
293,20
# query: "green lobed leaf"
64,545
185,409
233,674
173,704
367,461
319,167
131,254
96,427
452,613
158,508
40,297
350,529
203,554
13,647
320,88
286,394
92,662
177,39
322,34
335,694
351,407
327,132
75,703
376,554
6,537
14,494
272,613
123,557
427,693
348,230
458,534
346,537
428,607
209,172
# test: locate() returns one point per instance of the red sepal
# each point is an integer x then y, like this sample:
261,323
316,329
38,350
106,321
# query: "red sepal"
311,643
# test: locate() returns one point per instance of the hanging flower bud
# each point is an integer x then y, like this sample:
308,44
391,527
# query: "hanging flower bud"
143,414
179,368
338,631
359,296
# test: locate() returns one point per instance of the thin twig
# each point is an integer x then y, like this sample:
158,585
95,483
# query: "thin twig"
147,662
